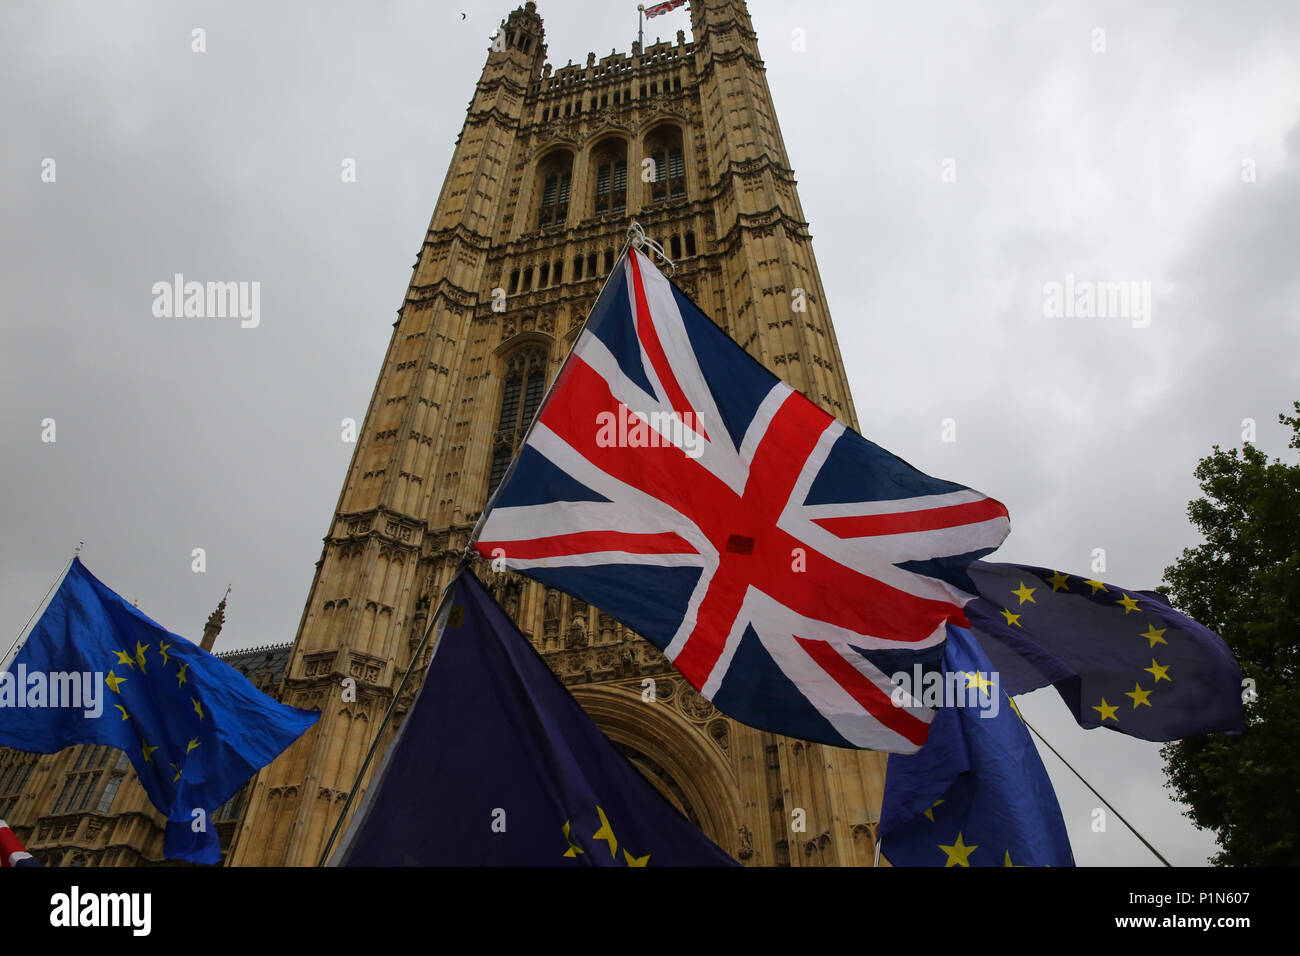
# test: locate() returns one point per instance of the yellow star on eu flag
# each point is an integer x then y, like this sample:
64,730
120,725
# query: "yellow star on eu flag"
1158,672
573,849
1107,711
958,853
139,654
930,813
1139,696
1011,618
180,675
1156,635
606,833
125,715
124,658
163,647
114,682
1130,604
1058,581
148,751
1025,594
636,860
198,708
1096,586
193,744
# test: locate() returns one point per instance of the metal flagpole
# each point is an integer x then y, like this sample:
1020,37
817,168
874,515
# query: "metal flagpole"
4,661
1120,816
438,615
635,236
640,25
1146,843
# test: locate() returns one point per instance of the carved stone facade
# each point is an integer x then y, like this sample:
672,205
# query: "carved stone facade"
546,175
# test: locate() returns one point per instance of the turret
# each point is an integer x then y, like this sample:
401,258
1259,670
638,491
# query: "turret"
216,620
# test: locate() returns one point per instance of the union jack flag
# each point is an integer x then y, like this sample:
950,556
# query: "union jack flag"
12,851
659,8
784,564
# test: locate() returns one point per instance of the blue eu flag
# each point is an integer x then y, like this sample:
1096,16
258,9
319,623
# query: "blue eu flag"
498,765
95,670
1119,658
977,793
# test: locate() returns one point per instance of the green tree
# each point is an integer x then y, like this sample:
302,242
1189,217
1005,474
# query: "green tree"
1244,583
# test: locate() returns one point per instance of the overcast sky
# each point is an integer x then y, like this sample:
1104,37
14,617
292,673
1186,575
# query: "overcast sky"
953,159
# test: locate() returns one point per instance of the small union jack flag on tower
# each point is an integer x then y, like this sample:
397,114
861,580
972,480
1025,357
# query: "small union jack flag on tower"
784,564
660,8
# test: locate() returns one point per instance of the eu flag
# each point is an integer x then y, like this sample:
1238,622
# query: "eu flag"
95,670
977,793
498,765
1119,658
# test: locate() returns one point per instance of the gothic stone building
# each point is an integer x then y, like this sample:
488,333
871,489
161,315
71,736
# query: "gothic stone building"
546,176
548,172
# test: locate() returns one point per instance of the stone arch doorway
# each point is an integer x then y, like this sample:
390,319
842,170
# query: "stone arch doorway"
690,771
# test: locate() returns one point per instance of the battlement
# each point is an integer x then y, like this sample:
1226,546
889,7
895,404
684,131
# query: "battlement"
659,56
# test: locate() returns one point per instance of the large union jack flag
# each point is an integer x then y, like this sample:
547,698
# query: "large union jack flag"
784,564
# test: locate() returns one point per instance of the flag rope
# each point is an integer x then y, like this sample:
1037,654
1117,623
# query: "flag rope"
4,661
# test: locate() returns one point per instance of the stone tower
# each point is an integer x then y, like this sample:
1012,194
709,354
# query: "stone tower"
549,170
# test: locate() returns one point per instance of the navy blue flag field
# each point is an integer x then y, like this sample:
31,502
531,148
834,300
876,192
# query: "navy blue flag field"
783,563
977,793
96,670
1119,658
498,765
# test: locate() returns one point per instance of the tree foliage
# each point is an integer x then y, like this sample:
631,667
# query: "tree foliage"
1244,583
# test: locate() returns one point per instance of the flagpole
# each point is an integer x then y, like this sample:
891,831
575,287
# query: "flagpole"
4,661
640,27
1119,815
437,616
635,237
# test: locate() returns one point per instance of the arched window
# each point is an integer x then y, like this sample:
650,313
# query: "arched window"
609,160
554,177
521,394
664,146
